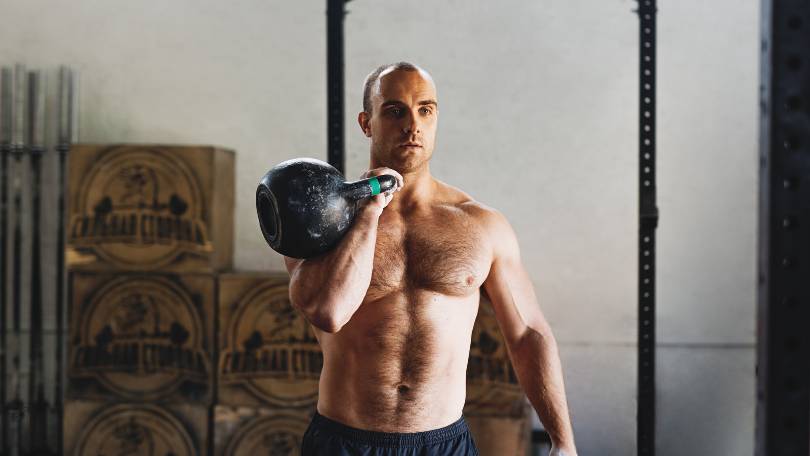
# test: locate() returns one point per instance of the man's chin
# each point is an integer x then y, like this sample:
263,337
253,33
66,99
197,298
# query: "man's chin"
405,162
410,159
409,164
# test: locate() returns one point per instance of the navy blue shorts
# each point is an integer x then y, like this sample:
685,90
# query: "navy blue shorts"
326,437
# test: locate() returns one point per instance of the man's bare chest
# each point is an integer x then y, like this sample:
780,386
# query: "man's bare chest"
445,252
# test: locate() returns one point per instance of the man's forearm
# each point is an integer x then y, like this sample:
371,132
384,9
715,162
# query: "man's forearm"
537,364
343,276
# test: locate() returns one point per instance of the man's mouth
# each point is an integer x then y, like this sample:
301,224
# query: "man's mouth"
410,144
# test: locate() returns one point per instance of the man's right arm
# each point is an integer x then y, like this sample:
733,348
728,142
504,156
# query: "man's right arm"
329,288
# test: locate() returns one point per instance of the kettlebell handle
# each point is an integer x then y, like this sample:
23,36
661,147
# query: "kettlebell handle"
366,188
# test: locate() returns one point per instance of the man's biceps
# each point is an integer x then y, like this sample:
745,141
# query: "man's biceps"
518,302
505,275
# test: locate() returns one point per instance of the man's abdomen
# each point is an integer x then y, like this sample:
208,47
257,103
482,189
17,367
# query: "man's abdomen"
399,365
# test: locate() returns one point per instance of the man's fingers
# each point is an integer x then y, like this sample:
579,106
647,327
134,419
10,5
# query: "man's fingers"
400,180
384,170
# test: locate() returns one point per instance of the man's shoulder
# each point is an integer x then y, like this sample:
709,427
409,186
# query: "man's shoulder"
489,218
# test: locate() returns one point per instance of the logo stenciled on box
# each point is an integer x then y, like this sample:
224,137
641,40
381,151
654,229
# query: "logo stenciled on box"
134,429
492,385
276,435
271,350
141,338
139,207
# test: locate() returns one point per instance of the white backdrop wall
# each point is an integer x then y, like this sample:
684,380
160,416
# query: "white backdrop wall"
708,85
538,119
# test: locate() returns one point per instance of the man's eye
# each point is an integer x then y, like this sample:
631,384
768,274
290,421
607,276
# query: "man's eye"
425,111
395,112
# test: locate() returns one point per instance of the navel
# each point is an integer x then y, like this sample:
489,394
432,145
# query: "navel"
403,388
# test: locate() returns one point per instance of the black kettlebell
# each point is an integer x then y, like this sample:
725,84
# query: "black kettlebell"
305,205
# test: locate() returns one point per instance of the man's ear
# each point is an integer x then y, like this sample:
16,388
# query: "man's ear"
365,123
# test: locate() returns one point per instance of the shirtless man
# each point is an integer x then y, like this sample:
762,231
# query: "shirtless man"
393,305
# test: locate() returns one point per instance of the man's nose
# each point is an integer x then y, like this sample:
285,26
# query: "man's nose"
411,124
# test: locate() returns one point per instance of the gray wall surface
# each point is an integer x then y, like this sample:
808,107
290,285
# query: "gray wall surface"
538,119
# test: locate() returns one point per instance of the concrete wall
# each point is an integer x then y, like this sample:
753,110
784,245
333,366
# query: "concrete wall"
538,119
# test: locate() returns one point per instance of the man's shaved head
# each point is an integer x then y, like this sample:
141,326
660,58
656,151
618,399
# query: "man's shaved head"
374,78
400,115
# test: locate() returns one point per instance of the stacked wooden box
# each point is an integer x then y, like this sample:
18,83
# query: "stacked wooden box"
268,370
496,409
149,228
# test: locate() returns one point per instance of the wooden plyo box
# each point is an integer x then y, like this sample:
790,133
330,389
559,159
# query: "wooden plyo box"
248,431
268,354
496,409
150,207
142,337
115,428
492,385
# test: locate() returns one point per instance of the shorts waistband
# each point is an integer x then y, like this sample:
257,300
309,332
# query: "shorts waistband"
390,438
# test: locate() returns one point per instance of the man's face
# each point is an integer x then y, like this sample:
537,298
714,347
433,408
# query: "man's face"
402,125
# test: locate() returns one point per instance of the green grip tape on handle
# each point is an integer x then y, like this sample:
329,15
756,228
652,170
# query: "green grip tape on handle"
375,186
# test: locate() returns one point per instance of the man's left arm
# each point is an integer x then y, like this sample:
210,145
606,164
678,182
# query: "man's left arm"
529,340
